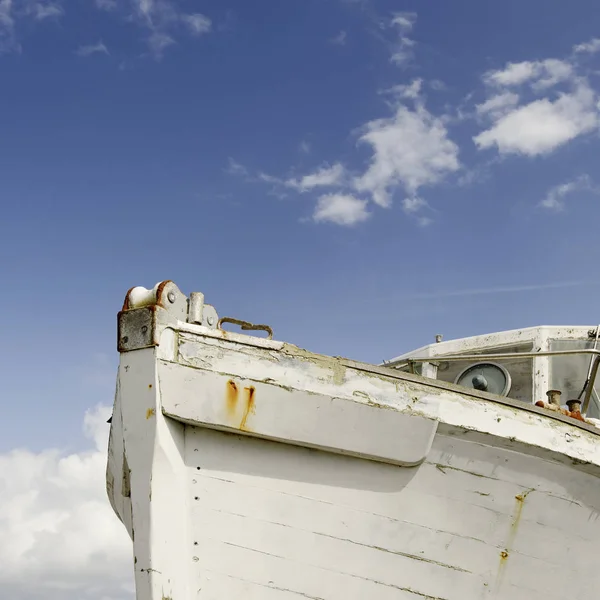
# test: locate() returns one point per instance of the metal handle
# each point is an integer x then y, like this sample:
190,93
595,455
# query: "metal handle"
245,326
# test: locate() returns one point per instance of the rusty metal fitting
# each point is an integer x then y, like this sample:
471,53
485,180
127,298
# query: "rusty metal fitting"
574,405
554,397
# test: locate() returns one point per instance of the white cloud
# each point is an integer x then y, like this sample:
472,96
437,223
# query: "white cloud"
339,39
553,71
405,21
198,23
60,538
323,177
411,148
409,91
341,209
554,199
541,74
512,74
402,49
590,47
543,125
413,204
498,105
98,48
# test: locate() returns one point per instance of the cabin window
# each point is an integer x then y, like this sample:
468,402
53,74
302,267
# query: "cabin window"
520,370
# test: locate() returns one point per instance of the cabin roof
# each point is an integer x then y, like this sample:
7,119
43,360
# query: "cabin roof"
534,336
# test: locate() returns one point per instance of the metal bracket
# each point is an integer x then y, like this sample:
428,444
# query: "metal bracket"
146,312
136,329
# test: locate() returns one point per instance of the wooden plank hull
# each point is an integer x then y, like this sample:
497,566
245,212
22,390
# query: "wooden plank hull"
249,468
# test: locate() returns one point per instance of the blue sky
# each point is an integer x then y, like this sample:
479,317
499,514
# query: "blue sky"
361,175
329,167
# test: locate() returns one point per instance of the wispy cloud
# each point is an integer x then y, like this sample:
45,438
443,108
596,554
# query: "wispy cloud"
499,105
163,21
407,91
590,47
323,177
159,41
410,149
7,27
197,23
43,10
235,168
339,39
509,289
90,49
555,198
11,12
106,4
304,147
402,49
540,74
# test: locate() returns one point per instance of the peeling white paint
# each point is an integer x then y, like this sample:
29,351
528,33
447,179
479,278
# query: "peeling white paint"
503,504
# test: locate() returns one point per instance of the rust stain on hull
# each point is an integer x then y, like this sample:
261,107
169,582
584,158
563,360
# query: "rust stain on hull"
150,413
231,397
239,409
512,534
249,406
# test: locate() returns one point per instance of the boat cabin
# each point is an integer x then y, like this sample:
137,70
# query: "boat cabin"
529,365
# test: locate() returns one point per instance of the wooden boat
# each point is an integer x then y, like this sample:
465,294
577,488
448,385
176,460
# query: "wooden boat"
244,467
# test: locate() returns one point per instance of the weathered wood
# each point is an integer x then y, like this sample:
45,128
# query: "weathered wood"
251,468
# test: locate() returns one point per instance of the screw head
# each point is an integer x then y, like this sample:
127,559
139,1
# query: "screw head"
211,321
144,328
171,297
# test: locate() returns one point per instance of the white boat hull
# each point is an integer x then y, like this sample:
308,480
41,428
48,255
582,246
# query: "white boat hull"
245,468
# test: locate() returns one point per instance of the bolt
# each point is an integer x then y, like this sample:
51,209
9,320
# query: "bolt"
211,321
554,397
125,339
144,328
171,297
